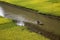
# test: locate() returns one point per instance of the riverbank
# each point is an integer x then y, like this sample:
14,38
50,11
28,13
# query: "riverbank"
51,24
10,31
31,10
38,30
45,6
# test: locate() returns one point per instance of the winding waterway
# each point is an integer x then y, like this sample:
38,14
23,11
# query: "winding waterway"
22,15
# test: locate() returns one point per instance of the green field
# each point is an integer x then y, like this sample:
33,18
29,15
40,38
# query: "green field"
10,31
45,6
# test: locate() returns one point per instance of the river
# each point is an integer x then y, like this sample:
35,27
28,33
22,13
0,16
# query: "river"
20,14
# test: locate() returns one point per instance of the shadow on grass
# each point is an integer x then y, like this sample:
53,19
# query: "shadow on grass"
54,1
37,29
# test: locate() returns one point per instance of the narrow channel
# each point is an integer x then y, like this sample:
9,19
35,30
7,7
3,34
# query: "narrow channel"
22,15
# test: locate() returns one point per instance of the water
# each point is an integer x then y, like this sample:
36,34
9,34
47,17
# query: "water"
1,12
21,23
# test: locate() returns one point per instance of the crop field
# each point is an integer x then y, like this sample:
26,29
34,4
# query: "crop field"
45,6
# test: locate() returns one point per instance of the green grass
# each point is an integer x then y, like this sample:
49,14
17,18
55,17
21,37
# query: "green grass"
10,31
4,20
46,6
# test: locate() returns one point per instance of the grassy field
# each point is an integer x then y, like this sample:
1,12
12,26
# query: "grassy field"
46,6
10,31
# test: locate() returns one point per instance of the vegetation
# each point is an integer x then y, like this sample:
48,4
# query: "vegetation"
45,6
54,1
10,31
4,20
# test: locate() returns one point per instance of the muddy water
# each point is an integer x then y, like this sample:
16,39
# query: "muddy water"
51,25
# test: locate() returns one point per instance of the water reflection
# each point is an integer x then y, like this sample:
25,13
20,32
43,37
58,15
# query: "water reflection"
1,12
20,23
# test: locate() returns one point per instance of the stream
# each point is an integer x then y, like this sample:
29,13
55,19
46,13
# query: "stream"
22,15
